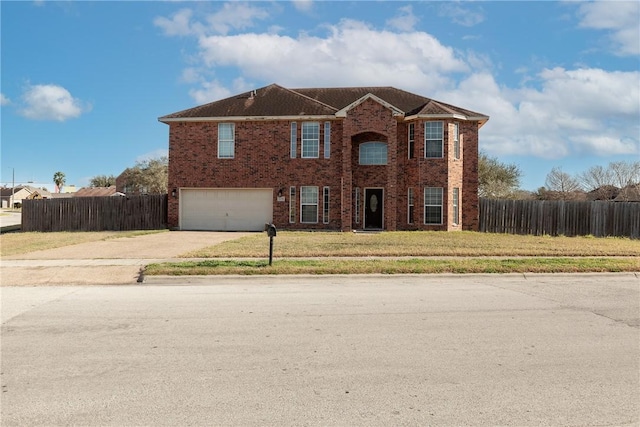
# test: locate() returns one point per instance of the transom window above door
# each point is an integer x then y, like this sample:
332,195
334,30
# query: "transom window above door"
373,153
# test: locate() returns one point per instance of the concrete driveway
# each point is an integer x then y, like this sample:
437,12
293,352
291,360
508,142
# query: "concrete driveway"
113,261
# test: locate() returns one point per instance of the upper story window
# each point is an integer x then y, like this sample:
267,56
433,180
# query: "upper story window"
294,139
433,139
456,140
373,153
226,140
411,143
327,140
310,140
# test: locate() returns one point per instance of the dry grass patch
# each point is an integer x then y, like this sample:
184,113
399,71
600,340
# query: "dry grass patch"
418,244
397,266
22,243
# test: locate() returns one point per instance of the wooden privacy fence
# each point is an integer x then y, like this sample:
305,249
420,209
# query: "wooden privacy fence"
95,213
559,217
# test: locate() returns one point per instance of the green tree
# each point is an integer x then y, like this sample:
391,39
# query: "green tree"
102,181
497,180
147,177
59,179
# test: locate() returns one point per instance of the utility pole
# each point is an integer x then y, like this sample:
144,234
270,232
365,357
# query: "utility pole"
13,185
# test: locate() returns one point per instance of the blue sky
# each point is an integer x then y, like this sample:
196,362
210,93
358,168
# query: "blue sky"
83,83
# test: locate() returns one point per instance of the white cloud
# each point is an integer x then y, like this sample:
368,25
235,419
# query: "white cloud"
155,154
178,25
232,16
460,15
405,20
303,5
620,18
210,91
552,113
4,100
51,102
583,111
351,53
235,16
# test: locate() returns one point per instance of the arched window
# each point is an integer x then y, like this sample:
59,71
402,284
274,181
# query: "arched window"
373,153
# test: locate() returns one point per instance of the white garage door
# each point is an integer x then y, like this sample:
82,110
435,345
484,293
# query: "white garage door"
226,209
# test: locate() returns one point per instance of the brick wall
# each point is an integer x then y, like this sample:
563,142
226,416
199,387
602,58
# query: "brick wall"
262,160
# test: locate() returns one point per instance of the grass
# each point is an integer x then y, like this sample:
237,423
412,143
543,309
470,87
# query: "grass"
397,266
21,243
417,244
409,253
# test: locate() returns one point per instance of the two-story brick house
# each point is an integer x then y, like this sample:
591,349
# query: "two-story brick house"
361,158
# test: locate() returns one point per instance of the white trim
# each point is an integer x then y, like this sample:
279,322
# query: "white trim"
482,119
396,111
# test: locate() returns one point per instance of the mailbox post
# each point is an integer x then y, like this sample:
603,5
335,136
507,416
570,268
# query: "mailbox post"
271,232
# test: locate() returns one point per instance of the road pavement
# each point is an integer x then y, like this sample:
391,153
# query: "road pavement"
325,351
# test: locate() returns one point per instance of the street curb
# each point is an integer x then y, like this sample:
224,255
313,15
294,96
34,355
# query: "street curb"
164,280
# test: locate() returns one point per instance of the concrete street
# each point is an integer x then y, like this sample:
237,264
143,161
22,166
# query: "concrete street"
9,218
333,350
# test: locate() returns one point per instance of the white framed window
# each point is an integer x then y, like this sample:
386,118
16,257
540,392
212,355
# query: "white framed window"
410,207
294,139
292,204
456,141
327,140
433,205
325,205
309,204
310,140
226,140
356,198
456,204
373,153
411,143
433,139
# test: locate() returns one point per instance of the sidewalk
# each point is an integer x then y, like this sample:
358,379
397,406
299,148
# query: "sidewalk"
109,262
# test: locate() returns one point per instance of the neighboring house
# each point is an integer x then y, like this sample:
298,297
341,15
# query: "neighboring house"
361,158
630,193
68,189
97,192
21,193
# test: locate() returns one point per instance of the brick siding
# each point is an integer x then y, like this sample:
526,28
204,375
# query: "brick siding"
262,160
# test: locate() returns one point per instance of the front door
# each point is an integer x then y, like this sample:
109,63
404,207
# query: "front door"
373,208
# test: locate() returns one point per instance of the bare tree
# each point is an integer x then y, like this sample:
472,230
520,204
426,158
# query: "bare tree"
625,173
561,182
595,177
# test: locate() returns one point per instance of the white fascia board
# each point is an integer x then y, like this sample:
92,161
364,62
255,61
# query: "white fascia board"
343,112
482,119
244,118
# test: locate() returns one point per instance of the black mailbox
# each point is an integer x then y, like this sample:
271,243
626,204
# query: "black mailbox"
271,230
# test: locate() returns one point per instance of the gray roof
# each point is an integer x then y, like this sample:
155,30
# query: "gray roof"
277,101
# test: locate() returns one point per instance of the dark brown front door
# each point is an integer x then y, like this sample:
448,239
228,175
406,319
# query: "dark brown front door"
373,208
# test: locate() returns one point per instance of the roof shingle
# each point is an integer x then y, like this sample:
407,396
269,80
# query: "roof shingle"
276,101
